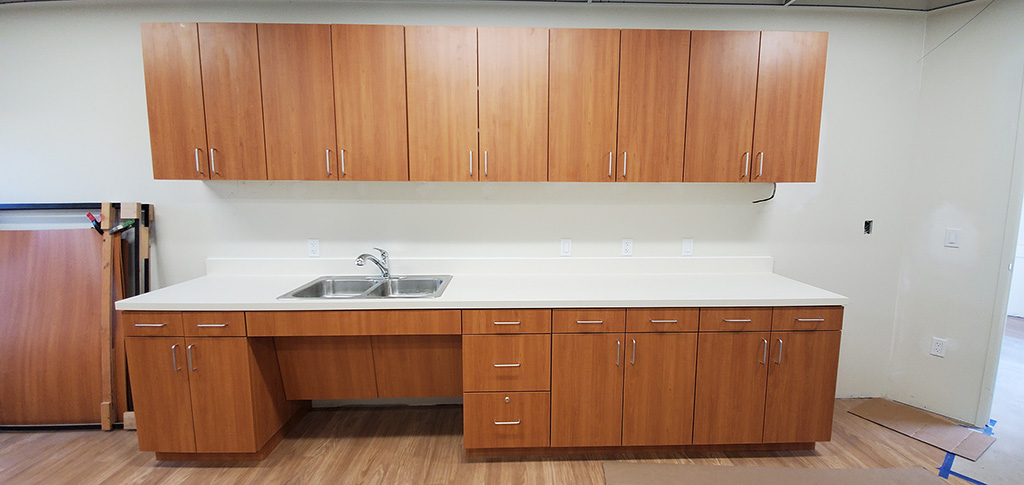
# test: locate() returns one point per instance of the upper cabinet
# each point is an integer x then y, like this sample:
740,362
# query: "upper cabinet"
298,101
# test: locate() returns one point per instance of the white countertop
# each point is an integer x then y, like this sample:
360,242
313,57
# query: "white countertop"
499,283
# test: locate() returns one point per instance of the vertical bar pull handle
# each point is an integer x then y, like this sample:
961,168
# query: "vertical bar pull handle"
213,164
760,164
471,163
174,357
618,351
764,354
189,349
624,164
485,163
633,362
341,153
197,162
611,162
327,156
779,359
746,164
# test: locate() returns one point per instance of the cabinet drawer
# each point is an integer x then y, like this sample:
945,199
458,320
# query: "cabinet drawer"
506,419
506,362
506,321
152,324
213,324
742,319
588,320
662,319
808,318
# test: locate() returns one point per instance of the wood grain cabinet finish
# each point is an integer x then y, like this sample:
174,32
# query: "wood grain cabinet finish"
732,374
662,319
296,73
658,387
739,319
583,104
588,320
801,386
213,324
513,320
163,405
586,389
506,362
353,322
152,324
369,97
304,360
807,318
418,365
506,420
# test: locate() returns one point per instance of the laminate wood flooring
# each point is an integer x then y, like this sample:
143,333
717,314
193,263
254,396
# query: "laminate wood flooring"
408,445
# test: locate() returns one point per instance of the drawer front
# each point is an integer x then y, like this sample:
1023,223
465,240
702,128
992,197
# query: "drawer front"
594,320
506,362
214,324
662,319
506,419
152,324
740,319
353,322
808,318
506,321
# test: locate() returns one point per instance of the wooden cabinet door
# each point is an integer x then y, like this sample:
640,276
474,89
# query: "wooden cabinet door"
582,104
441,70
513,103
369,88
160,391
234,108
790,86
653,67
298,101
801,386
720,106
732,373
657,403
221,394
174,98
586,389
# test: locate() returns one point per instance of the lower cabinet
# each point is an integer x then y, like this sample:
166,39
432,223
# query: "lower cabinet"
732,373
506,419
801,386
657,401
586,389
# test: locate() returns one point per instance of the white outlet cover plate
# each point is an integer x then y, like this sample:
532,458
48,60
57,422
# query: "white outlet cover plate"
938,347
952,238
627,247
687,247
313,248
566,248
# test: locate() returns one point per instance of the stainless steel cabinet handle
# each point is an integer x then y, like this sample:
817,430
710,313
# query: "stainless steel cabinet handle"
633,362
508,365
507,323
779,359
174,358
213,164
197,162
189,349
471,162
623,164
736,320
760,164
205,325
150,324
810,319
485,163
664,321
499,423
618,351
611,162
746,164
342,158
327,157
589,321
764,355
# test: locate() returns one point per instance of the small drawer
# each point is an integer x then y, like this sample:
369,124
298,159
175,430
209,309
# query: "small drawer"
808,318
506,420
151,324
506,362
506,321
740,319
662,319
214,324
588,320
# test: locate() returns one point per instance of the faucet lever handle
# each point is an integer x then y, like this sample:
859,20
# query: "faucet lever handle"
383,255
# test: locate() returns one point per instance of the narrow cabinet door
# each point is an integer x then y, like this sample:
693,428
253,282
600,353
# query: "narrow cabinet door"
298,101
652,105
234,108
657,403
720,106
732,372
163,407
586,389
441,70
221,394
801,386
174,97
583,105
369,88
513,103
790,86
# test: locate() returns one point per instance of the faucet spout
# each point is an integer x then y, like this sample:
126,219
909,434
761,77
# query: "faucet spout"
382,263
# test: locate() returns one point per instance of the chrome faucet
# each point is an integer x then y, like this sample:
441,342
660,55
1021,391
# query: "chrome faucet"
382,263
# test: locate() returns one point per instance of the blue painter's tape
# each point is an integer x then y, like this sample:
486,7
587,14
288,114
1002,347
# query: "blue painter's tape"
946,470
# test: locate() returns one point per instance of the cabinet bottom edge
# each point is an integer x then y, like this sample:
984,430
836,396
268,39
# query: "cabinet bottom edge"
614,450
258,455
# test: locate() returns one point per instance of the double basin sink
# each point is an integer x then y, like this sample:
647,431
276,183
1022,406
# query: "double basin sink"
418,286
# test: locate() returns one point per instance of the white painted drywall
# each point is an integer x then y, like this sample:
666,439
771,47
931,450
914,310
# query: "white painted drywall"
1016,303
73,127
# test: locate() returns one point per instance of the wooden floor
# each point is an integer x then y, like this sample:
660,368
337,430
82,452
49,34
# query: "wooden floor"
407,445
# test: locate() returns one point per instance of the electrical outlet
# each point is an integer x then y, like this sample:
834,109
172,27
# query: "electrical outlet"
938,347
952,238
687,247
627,247
566,248
313,248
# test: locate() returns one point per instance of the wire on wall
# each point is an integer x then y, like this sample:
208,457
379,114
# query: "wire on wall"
774,186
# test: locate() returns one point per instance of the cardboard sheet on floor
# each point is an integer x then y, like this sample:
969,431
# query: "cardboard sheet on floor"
923,426
619,473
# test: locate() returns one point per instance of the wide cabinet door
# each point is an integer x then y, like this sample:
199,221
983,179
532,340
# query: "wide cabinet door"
441,76
221,394
160,391
298,101
801,386
657,406
583,105
652,105
586,389
732,373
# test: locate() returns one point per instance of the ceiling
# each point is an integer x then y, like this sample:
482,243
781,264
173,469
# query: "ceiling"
913,5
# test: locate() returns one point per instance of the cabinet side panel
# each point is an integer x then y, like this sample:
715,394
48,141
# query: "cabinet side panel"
270,409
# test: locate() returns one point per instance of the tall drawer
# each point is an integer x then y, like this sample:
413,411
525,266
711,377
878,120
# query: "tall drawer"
808,318
662,319
151,324
506,321
506,419
506,362
740,319
588,320
214,324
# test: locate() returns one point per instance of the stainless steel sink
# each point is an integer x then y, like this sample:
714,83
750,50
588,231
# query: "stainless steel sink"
416,286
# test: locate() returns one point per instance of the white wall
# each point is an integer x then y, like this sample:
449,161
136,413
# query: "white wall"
73,127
